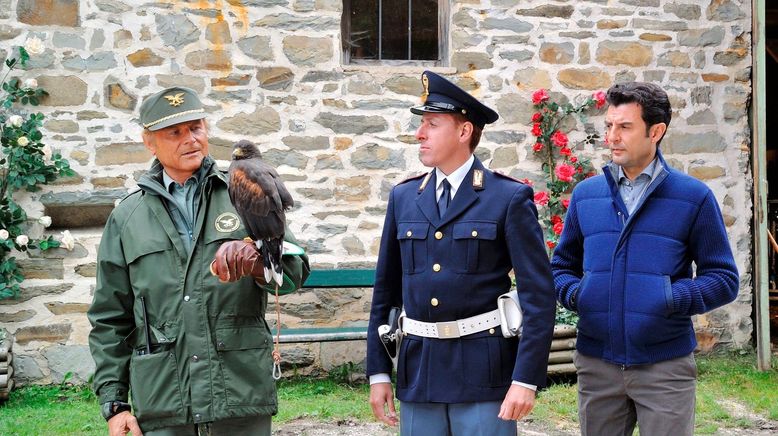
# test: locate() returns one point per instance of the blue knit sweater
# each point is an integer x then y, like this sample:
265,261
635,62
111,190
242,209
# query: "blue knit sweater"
630,277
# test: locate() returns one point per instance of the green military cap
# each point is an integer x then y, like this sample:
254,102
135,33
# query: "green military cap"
170,106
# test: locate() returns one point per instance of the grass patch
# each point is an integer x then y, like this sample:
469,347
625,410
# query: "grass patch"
557,407
61,410
68,410
734,376
322,399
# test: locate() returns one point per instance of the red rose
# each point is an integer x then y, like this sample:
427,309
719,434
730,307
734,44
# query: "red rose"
537,146
564,151
541,198
556,219
537,117
536,130
559,139
565,172
599,99
566,203
550,244
539,96
558,228
573,159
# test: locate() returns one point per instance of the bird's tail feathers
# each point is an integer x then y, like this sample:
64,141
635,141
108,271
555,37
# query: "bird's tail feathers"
271,257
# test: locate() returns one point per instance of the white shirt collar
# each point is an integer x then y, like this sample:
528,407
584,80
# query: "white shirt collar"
455,178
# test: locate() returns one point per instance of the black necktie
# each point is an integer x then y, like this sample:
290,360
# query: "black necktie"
445,198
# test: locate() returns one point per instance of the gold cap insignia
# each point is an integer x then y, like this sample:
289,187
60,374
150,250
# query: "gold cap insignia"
426,83
175,100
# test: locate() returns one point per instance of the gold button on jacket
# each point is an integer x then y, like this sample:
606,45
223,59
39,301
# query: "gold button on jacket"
436,267
434,302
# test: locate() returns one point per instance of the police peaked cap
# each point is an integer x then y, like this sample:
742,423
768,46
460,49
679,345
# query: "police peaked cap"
442,96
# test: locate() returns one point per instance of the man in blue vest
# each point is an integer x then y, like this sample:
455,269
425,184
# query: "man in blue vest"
450,239
624,263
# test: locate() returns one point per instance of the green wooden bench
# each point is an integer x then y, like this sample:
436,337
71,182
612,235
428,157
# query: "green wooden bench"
331,278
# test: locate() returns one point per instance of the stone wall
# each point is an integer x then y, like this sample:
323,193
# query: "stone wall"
342,135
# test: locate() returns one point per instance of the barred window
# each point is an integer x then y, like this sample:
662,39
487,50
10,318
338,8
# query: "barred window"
395,32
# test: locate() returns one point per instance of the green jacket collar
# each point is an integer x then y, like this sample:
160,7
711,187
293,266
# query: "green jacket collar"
151,181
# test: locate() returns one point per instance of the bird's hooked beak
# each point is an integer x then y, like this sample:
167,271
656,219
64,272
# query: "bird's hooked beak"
238,152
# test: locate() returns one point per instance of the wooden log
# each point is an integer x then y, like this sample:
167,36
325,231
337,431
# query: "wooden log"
6,391
4,365
563,344
565,356
564,331
561,368
4,377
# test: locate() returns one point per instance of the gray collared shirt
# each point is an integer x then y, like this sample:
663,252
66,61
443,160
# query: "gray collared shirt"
632,191
183,208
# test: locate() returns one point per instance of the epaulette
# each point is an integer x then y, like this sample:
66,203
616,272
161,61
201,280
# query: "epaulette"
505,176
416,177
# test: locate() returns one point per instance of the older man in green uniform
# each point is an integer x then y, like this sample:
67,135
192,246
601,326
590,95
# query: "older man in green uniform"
190,349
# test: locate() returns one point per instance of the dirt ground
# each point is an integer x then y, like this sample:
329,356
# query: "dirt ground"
756,426
309,427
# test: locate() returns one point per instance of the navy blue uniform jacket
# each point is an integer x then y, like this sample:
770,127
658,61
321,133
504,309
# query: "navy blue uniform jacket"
487,231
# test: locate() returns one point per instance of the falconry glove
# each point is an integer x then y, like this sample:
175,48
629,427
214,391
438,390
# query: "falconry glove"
237,259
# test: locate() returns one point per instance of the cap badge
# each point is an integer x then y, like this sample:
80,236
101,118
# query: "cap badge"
426,83
175,100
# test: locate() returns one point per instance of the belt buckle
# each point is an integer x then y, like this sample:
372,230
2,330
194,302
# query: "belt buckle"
448,330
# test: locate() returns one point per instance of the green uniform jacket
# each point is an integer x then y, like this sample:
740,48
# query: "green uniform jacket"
211,347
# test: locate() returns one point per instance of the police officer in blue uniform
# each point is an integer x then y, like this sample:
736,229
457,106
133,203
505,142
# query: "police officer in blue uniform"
450,239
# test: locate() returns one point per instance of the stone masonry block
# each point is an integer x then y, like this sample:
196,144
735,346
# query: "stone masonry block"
48,12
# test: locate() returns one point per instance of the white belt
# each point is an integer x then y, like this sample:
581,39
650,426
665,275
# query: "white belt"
451,329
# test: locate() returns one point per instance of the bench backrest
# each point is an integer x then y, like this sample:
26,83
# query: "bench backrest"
340,278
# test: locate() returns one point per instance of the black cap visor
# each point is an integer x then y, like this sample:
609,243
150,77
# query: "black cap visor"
437,107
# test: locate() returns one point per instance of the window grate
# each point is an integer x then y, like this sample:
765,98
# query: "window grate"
390,32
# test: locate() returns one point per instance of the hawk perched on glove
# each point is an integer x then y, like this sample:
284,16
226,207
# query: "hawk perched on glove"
260,198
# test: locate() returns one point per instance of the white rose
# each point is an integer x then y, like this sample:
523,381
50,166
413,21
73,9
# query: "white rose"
16,120
68,241
22,141
46,149
22,240
30,83
34,46
45,220
3,234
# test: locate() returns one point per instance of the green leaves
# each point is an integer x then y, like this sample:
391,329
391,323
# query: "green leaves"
25,162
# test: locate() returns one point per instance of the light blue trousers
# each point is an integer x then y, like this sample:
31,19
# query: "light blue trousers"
461,419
